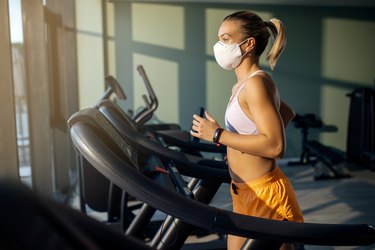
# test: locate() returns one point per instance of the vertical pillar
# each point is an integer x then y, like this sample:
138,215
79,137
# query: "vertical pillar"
124,55
38,91
8,134
70,68
192,78
63,86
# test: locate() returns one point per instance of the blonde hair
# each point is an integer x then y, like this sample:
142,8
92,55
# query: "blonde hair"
279,33
253,26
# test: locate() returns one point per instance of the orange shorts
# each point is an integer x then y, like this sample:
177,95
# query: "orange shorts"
271,196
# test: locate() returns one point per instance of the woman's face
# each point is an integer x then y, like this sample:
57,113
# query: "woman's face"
230,32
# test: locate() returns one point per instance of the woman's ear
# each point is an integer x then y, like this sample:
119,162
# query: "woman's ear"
250,45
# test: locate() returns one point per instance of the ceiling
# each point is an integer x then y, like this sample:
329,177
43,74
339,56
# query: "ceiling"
337,3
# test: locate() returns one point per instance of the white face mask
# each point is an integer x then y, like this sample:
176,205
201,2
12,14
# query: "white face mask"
228,56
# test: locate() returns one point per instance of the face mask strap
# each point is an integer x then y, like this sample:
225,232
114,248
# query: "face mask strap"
247,39
239,44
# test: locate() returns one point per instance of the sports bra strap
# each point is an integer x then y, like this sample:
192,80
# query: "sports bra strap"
235,95
243,84
256,73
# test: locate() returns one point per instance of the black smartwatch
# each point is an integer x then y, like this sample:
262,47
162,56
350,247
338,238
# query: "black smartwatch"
217,135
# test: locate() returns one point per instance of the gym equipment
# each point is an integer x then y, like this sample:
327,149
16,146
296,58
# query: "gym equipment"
329,162
361,127
151,102
146,211
166,135
113,88
305,122
95,191
204,191
170,135
146,143
136,228
105,149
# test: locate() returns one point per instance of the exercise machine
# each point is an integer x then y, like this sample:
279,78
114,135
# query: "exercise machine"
96,192
210,177
361,128
169,134
105,149
328,162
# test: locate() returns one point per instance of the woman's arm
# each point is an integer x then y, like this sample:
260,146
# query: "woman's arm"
286,112
270,142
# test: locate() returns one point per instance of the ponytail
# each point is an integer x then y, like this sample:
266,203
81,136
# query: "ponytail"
279,33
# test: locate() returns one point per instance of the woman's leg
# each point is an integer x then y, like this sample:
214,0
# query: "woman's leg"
287,246
235,242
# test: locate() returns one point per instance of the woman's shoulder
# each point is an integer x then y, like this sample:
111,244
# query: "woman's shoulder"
260,85
260,80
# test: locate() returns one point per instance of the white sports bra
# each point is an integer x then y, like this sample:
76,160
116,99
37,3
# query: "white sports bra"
235,118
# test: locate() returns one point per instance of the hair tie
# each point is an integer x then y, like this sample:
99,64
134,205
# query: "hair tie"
271,26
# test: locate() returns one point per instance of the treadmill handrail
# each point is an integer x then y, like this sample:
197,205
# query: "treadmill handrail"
200,146
107,106
147,146
151,105
158,130
113,86
103,158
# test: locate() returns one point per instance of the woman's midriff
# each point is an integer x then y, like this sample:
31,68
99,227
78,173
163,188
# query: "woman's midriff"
244,167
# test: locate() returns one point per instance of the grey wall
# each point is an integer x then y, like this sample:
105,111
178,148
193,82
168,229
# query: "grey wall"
329,53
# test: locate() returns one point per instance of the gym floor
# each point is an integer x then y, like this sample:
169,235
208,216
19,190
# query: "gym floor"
350,200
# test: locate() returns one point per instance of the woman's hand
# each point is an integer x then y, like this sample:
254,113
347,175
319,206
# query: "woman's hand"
204,128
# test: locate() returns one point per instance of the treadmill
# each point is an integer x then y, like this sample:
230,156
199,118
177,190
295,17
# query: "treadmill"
107,150
100,194
171,134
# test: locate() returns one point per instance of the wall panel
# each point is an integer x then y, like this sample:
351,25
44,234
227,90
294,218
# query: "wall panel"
8,138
